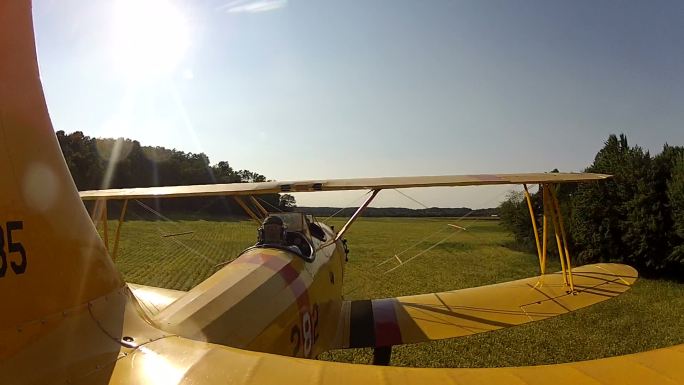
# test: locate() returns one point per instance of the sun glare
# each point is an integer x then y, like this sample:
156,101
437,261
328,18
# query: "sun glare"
150,37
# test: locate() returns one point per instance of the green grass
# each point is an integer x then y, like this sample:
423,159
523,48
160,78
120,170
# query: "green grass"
648,316
147,256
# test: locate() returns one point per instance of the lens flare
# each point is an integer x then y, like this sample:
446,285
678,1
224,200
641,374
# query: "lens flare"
149,37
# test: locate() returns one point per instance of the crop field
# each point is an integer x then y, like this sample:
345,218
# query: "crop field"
181,253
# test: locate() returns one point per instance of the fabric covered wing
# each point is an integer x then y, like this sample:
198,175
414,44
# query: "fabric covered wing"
419,318
337,185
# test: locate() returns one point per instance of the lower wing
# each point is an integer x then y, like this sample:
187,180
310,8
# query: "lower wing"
419,318
175,360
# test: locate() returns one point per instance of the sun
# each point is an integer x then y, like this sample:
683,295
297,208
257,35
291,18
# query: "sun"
149,37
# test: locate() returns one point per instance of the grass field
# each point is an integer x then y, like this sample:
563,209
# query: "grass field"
649,316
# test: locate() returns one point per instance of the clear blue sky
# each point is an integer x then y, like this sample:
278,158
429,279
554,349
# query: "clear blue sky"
321,89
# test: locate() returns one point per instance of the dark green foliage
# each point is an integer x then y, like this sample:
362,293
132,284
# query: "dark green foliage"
675,194
252,177
82,158
621,219
119,163
636,217
515,218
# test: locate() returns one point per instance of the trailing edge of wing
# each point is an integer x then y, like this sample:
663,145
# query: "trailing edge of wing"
459,313
338,185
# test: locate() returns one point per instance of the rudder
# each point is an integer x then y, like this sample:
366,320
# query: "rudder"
51,256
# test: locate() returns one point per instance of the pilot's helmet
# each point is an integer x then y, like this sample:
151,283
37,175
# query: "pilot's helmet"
272,231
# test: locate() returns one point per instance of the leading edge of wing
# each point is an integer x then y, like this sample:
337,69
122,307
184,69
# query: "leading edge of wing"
338,185
459,313
175,360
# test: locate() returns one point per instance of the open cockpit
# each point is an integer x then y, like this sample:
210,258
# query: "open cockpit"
294,232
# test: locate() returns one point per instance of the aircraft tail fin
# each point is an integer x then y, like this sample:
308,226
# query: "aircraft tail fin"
51,257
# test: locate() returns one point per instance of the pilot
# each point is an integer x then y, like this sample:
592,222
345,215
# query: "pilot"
272,231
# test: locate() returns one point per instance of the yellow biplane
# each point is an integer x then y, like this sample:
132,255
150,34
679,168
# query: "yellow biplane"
69,318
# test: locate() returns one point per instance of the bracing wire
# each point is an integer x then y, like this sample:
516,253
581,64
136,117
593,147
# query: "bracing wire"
371,278
346,206
411,198
194,251
423,252
397,255
172,239
270,205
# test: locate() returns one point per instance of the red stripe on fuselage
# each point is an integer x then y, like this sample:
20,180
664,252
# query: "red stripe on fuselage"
293,278
283,265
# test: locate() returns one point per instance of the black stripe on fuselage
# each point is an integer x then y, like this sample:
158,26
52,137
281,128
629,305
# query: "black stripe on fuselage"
361,324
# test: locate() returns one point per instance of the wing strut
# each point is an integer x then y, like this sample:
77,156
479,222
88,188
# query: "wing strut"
552,213
249,211
534,227
358,212
382,355
564,240
105,228
117,235
258,205
99,215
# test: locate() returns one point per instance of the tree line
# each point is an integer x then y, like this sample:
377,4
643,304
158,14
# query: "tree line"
636,217
101,163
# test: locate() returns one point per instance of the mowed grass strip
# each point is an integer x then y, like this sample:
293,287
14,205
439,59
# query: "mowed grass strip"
648,316
180,254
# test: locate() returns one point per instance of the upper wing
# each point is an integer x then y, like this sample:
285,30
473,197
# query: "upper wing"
420,318
338,185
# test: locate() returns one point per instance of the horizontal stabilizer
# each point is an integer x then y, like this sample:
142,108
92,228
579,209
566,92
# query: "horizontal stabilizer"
459,313
154,299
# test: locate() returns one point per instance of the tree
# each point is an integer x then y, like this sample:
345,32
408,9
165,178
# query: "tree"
515,218
223,173
120,163
620,219
82,159
247,176
675,194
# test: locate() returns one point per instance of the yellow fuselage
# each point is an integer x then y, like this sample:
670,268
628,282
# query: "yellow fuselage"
268,300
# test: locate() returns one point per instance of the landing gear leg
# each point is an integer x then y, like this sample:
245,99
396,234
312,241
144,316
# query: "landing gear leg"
382,355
